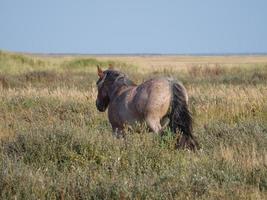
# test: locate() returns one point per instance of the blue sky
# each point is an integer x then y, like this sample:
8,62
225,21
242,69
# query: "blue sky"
134,26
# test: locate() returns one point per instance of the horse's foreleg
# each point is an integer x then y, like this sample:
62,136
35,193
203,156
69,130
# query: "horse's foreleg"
118,132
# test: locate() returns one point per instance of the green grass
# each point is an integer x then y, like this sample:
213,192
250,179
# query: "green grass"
55,145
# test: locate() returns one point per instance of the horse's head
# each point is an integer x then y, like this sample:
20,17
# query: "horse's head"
109,81
102,100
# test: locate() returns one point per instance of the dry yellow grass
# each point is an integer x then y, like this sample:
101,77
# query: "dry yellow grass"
181,62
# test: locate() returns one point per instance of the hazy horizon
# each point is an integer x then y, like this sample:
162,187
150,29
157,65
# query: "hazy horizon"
138,54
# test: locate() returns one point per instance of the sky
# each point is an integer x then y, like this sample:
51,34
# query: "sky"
134,26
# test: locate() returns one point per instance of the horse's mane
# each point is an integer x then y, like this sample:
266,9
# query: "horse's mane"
119,77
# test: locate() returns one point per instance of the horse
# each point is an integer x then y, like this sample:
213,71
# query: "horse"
159,102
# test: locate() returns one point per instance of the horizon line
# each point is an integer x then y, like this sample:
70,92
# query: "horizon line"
140,54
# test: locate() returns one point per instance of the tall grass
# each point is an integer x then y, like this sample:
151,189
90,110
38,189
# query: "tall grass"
55,145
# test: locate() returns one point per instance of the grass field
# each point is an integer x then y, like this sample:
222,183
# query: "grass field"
54,144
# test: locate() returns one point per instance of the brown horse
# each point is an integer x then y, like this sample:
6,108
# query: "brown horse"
159,102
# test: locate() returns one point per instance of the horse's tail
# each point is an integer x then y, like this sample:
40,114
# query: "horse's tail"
180,117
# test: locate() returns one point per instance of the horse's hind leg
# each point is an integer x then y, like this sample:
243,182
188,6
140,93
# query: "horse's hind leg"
165,121
154,124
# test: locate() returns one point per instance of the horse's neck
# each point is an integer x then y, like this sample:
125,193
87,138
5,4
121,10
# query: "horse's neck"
117,89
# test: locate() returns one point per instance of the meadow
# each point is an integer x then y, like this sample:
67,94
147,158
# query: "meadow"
54,144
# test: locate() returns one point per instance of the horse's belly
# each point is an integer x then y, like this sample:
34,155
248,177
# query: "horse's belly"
122,112
129,117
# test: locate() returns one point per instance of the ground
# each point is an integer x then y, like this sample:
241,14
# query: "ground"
54,144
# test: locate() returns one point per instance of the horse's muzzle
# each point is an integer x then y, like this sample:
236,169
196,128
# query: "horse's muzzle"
100,106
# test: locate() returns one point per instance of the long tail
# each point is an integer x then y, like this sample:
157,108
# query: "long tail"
181,119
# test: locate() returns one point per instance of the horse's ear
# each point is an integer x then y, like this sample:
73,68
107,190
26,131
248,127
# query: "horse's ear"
110,66
100,72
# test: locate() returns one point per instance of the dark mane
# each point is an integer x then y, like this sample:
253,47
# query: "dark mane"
113,75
